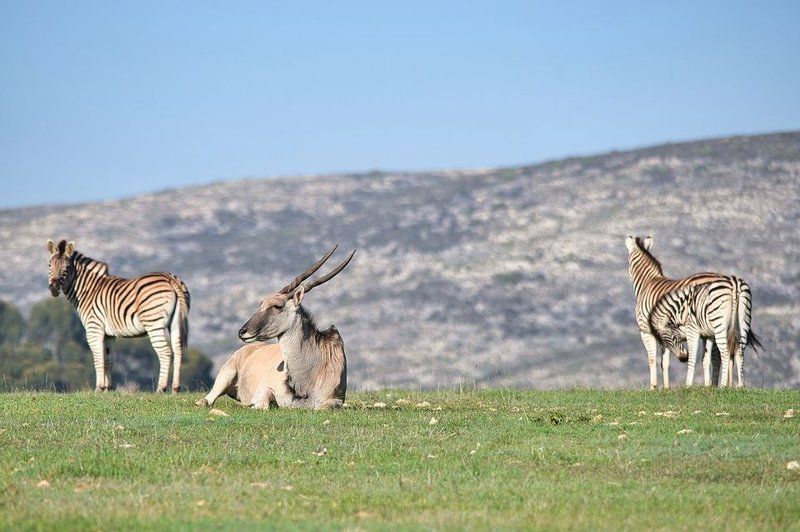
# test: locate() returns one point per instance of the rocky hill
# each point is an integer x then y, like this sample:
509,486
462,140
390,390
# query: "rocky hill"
502,277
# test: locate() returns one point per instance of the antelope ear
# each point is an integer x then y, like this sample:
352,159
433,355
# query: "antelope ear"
648,242
70,249
51,246
298,294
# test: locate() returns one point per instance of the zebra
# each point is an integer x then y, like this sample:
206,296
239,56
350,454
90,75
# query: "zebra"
720,310
155,304
650,285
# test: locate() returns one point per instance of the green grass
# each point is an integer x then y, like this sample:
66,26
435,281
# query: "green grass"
573,459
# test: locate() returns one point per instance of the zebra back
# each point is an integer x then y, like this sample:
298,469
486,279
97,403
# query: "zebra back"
651,285
124,307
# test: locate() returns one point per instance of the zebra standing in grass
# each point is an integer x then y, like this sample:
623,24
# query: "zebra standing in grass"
155,304
720,310
650,285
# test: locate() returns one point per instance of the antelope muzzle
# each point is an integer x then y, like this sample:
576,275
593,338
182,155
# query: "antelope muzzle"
250,331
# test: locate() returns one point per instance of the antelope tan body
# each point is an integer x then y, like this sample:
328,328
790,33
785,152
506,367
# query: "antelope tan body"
307,368
255,375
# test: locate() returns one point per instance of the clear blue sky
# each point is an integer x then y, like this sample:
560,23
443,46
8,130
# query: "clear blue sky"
99,100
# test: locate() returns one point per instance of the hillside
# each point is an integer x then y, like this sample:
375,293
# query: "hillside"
502,277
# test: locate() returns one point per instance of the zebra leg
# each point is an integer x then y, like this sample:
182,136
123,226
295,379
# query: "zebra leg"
109,362
695,344
225,379
651,346
177,329
95,337
716,359
708,346
743,313
739,360
177,355
724,357
159,339
730,371
665,368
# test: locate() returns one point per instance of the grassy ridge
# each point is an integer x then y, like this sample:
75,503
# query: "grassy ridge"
484,459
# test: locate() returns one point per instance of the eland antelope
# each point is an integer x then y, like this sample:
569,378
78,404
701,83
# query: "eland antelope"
306,368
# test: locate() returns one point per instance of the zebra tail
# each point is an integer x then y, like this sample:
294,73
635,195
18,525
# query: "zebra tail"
733,321
183,307
754,342
749,338
184,304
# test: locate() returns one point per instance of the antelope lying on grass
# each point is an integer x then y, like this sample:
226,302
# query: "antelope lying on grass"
306,368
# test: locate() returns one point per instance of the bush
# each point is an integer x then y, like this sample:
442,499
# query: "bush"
12,324
50,352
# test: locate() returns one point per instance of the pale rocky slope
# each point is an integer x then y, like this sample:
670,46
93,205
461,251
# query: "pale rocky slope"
501,277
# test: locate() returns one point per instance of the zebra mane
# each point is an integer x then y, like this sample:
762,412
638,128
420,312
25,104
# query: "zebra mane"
89,264
646,253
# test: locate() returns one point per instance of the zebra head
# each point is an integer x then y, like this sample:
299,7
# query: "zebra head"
62,269
672,338
639,257
280,311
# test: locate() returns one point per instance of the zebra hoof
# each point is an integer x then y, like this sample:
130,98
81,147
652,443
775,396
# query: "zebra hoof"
201,402
176,389
162,389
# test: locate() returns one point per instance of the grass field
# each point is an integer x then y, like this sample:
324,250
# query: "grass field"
498,458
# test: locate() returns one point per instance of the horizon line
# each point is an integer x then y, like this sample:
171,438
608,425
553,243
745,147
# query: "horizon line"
379,170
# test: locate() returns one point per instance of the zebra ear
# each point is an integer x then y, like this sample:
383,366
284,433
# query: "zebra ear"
51,246
629,242
70,248
648,242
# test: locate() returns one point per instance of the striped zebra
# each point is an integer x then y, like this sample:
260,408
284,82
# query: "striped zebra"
155,304
719,310
650,285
